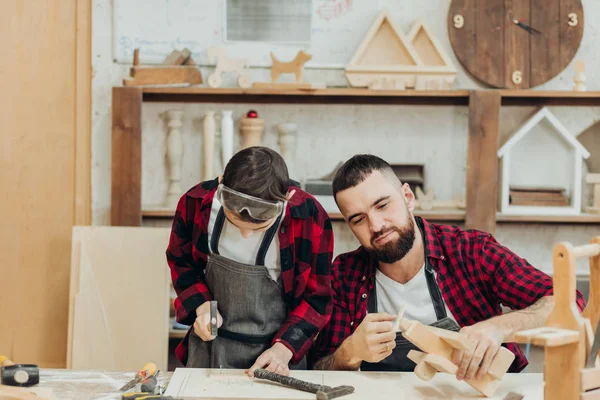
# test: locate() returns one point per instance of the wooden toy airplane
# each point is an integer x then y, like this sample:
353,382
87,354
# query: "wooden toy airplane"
437,347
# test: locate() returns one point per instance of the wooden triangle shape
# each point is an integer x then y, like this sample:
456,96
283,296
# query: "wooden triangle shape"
428,47
384,46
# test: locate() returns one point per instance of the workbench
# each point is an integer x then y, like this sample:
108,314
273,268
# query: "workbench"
88,385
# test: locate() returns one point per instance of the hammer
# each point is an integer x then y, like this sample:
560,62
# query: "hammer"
18,374
323,392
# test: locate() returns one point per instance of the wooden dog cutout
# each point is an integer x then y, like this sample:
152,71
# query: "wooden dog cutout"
296,66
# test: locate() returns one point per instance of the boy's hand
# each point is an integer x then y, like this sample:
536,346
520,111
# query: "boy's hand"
202,323
275,359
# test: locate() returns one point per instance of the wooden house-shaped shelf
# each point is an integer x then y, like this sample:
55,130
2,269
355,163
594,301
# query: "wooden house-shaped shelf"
387,58
542,159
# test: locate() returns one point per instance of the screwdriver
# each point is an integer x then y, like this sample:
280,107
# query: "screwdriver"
147,371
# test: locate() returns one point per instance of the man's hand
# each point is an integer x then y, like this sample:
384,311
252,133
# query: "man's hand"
475,364
275,359
202,323
373,340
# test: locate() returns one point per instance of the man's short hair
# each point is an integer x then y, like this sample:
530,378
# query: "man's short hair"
258,171
357,169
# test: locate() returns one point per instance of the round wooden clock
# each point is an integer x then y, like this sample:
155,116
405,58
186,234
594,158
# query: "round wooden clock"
515,43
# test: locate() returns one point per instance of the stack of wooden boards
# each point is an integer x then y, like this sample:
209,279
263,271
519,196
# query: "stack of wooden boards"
178,68
538,196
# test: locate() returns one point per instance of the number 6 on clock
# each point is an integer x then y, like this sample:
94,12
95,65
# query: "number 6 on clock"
517,77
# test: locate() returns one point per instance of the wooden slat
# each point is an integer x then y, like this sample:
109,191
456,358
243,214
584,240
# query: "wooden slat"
482,161
490,42
83,114
126,157
568,219
592,310
545,60
315,92
570,36
516,43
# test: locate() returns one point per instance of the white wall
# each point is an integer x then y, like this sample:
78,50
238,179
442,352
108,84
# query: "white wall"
436,136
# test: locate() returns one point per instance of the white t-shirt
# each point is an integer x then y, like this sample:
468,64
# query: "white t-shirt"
414,295
234,246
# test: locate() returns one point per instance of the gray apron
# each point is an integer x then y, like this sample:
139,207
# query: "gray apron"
398,360
250,302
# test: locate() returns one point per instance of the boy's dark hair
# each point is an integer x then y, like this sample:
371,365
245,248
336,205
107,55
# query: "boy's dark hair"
357,169
257,171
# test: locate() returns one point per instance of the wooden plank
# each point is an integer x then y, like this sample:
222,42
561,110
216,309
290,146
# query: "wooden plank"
103,314
516,43
592,310
37,170
567,219
570,36
461,32
83,114
163,75
490,42
482,161
126,157
545,57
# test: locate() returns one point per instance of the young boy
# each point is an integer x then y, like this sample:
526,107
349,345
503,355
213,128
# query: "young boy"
261,247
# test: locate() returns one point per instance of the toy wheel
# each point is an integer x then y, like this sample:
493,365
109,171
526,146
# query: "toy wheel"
244,81
214,81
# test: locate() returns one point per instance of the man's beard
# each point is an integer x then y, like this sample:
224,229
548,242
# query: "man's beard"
393,251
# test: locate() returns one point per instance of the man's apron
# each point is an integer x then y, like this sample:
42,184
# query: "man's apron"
398,360
250,302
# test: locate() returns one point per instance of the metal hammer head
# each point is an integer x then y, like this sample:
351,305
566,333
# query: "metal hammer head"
20,375
334,392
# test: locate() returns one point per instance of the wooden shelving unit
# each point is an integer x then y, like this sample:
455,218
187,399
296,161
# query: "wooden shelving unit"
482,166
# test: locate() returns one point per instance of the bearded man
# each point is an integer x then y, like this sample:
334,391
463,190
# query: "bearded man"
444,276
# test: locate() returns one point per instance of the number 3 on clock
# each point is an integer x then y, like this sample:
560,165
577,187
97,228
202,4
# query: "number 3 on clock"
573,19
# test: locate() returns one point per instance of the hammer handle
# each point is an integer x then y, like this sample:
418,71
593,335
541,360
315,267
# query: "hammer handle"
290,382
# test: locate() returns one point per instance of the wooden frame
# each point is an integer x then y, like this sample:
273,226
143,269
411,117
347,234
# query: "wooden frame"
566,335
580,153
420,61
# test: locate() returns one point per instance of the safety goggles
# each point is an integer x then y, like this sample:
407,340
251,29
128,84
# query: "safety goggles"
239,202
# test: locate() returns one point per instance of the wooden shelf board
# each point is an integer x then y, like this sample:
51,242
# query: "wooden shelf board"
543,97
446,215
317,96
441,215
569,219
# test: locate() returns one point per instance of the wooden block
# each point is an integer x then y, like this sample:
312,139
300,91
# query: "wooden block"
136,57
429,342
547,337
482,161
177,57
163,76
423,370
126,201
